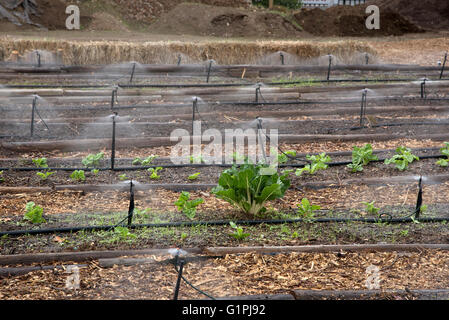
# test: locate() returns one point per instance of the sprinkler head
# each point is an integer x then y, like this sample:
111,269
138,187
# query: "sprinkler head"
419,199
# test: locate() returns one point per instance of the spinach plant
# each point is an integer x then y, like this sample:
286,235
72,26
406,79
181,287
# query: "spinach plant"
44,175
370,208
92,160
78,175
194,176
445,151
250,186
40,162
144,162
123,177
307,210
238,232
402,158
33,213
153,172
318,162
361,157
186,206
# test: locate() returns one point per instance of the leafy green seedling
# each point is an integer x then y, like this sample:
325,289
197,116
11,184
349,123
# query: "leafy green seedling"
443,162
186,206
44,175
307,210
41,162
318,162
92,160
285,156
194,176
444,151
1,176
370,208
33,213
78,175
95,171
123,234
402,158
423,208
123,177
196,159
145,162
238,232
238,157
361,157
154,172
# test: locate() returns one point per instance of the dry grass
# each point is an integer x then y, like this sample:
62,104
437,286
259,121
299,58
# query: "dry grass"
412,51
162,52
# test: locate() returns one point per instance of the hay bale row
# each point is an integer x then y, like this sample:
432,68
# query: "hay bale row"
223,52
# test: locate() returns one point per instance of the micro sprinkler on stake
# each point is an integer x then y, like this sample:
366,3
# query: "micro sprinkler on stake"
179,59
113,97
423,89
208,70
194,108
259,132
419,199
363,106
282,58
131,203
177,261
366,58
38,59
132,73
257,92
33,109
444,64
113,142
329,67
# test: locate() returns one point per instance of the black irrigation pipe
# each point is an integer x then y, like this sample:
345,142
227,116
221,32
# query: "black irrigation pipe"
229,103
442,123
222,223
210,85
187,165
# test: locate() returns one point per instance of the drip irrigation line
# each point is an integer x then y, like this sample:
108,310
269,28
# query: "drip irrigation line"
218,103
208,85
222,223
195,165
395,125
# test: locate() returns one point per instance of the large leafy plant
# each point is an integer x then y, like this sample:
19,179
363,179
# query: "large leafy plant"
250,186
361,157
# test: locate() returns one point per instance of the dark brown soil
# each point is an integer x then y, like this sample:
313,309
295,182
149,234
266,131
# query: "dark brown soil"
199,19
428,14
350,21
148,10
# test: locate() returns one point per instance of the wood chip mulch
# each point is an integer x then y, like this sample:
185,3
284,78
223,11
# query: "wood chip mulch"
247,274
